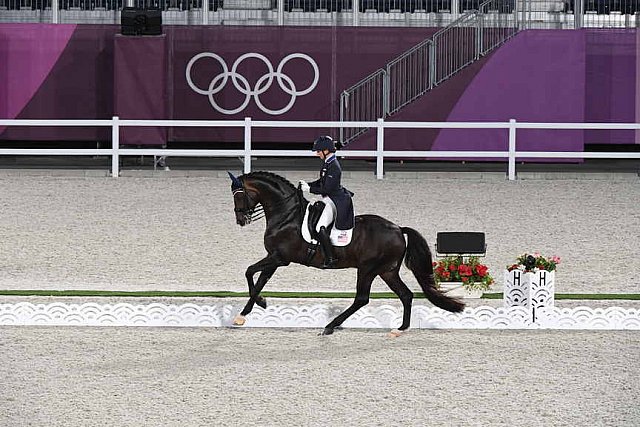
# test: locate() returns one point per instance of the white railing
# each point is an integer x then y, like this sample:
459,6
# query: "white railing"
510,154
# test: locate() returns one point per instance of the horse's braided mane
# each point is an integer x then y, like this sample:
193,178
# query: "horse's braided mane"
269,176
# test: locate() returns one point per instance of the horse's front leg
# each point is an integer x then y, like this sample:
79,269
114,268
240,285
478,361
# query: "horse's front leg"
266,266
254,296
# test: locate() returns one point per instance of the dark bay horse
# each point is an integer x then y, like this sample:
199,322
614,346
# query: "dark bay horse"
377,248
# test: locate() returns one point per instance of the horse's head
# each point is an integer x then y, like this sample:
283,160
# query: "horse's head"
245,204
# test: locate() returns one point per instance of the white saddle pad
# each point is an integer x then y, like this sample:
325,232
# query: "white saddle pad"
338,237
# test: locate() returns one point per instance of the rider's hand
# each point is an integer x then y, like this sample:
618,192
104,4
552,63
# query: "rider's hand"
304,186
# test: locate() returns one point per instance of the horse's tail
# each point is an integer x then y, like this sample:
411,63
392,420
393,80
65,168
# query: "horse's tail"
418,260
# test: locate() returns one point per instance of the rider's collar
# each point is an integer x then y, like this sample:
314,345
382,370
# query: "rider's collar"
330,158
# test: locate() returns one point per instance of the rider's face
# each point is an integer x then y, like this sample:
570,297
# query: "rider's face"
320,154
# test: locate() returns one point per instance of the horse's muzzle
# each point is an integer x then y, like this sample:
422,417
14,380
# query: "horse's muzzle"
243,220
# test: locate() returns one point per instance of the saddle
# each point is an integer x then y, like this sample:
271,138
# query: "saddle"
314,212
310,227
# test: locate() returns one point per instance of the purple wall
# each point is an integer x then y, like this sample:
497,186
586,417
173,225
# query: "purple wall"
79,85
140,87
25,61
612,89
540,75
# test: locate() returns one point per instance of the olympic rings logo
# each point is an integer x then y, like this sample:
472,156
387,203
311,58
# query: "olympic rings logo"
263,84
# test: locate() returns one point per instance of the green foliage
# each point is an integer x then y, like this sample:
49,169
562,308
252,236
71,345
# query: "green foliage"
534,262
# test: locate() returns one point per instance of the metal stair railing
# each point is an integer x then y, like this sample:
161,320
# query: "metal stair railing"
426,65
363,100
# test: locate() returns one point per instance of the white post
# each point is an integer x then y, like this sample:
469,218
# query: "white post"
280,13
512,149
205,12
55,12
455,9
115,147
380,150
247,144
578,14
355,9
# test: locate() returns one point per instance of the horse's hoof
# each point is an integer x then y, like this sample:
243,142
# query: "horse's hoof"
239,320
262,302
327,331
395,333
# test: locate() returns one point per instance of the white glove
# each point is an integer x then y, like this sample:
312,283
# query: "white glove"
304,186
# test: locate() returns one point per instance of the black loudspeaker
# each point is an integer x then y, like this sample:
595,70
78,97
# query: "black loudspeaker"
141,22
458,243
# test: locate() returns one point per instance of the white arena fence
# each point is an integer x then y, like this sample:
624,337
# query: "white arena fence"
313,316
511,154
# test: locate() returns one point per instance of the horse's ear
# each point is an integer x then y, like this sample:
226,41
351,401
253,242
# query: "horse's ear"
235,182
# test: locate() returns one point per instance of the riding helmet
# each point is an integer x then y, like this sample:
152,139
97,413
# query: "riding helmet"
324,143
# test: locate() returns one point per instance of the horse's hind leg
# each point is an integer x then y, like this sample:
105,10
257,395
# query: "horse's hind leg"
363,289
393,280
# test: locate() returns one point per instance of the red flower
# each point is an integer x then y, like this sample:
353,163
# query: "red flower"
482,270
470,272
513,267
465,270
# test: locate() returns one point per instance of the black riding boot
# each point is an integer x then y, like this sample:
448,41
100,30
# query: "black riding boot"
327,248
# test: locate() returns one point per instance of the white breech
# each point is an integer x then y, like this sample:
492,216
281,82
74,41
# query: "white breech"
328,214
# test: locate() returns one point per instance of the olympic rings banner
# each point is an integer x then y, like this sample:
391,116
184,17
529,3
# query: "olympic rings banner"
242,85
266,73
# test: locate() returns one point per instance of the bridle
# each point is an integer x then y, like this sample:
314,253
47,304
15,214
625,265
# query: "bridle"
256,212
250,214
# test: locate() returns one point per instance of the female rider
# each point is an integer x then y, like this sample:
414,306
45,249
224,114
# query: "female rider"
333,193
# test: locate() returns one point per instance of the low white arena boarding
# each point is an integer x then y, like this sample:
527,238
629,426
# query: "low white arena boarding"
314,316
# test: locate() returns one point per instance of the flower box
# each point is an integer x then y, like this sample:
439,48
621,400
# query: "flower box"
462,277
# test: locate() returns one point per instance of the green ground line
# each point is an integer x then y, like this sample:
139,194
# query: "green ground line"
302,295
